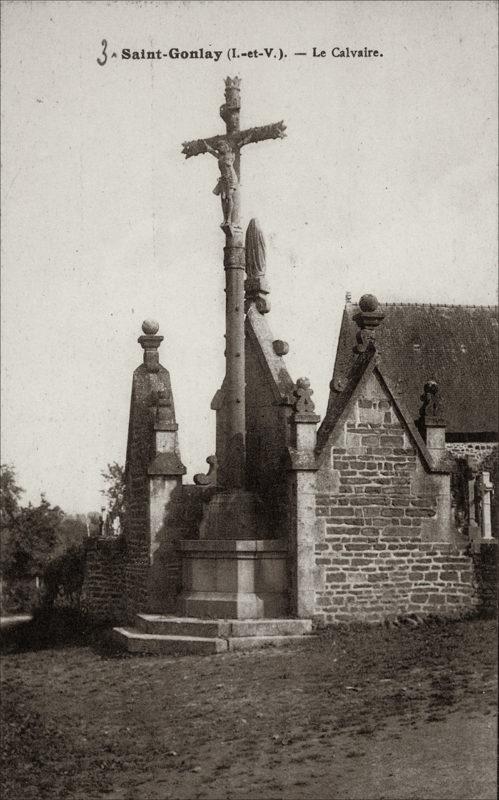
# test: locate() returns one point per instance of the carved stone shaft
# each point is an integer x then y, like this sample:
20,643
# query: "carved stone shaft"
235,382
227,148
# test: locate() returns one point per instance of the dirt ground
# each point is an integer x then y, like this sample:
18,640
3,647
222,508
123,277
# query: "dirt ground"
367,713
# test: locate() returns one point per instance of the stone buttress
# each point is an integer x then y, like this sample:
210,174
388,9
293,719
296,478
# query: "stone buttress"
153,477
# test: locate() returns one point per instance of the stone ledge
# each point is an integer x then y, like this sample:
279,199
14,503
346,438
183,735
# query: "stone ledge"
166,464
206,546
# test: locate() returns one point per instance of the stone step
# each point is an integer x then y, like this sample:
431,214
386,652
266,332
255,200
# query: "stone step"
136,641
224,628
180,626
168,635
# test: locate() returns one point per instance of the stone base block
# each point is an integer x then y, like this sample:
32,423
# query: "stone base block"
237,605
238,579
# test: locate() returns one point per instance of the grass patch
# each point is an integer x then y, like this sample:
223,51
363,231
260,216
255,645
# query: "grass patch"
114,723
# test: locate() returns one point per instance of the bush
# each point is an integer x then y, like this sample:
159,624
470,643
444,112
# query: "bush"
49,628
63,579
18,596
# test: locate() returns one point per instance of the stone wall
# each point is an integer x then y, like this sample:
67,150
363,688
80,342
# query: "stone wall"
103,596
385,541
114,568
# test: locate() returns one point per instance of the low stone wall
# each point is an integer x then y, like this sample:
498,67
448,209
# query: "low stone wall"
486,453
103,597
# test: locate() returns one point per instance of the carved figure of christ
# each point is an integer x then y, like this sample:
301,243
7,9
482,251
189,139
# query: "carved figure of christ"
226,149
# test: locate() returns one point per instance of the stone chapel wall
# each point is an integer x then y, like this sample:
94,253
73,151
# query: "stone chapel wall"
385,544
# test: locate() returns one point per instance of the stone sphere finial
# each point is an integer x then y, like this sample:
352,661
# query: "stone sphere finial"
281,348
368,317
150,341
150,327
368,303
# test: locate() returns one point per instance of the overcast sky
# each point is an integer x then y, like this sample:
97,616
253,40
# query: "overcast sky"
385,183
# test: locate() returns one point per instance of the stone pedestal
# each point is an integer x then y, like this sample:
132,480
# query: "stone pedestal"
234,579
235,514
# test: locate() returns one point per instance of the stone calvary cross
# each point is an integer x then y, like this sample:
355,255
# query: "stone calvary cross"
227,149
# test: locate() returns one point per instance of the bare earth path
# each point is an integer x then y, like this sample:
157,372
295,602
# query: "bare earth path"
366,713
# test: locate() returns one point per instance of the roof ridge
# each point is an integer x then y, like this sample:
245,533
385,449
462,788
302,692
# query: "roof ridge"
434,305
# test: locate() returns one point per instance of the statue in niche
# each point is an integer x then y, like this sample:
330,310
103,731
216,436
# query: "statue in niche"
255,251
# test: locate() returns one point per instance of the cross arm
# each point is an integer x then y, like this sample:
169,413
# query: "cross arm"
237,140
198,146
274,131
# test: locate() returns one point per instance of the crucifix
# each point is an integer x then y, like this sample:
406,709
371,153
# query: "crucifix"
226,149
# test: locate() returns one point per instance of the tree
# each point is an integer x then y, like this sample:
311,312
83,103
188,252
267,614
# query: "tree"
72,531
10,493
28,534
114,479
10,512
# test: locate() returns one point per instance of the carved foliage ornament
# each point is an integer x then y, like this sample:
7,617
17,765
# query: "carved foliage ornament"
303,394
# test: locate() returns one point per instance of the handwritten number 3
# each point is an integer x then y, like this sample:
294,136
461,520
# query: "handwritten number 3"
104,53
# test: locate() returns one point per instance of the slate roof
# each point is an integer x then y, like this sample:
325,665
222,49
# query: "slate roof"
457,346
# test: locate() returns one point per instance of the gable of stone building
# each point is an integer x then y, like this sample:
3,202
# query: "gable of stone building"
386,543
